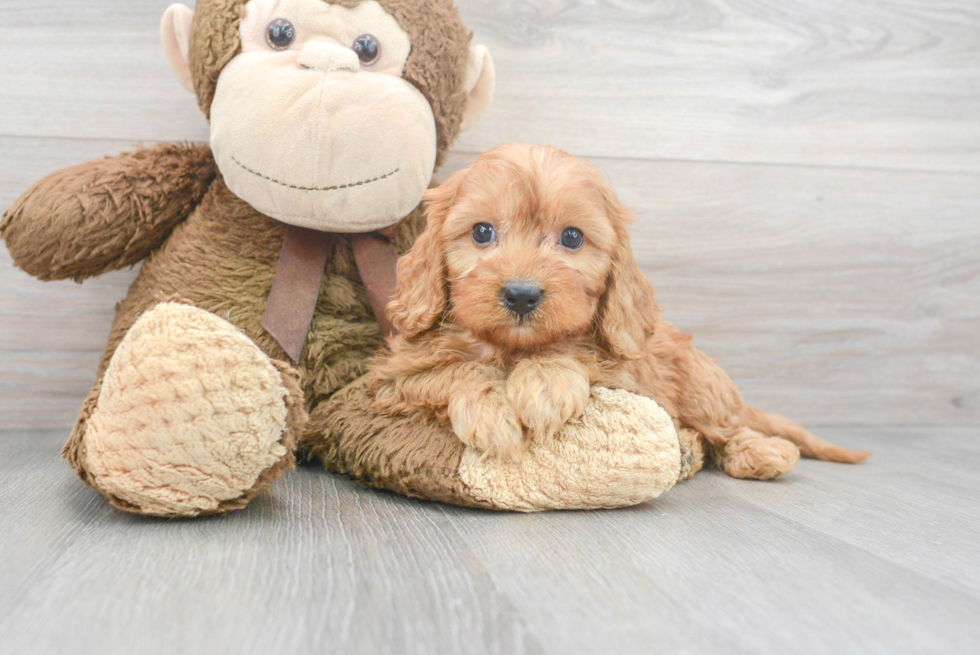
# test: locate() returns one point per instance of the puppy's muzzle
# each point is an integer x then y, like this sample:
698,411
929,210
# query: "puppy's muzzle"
522,296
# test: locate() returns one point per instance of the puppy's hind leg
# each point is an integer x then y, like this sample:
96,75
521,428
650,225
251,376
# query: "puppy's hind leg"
751,454
809,444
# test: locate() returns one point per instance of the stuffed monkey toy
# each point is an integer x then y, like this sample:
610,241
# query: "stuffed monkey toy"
268,257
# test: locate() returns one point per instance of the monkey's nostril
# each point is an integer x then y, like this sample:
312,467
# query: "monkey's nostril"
522,296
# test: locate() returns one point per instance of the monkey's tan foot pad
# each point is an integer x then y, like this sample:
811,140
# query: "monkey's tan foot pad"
190,419
623,451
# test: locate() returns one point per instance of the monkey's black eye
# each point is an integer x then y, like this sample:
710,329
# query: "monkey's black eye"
483,233
367,48
280,34
572,238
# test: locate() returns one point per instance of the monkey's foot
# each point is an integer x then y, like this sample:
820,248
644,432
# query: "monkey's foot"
192,417
622,451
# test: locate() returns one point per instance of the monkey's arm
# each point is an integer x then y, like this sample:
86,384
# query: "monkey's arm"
108,214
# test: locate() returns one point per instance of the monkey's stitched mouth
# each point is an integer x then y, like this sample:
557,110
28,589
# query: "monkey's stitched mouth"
313,188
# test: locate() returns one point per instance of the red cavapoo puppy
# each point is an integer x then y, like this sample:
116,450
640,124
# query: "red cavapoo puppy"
522,292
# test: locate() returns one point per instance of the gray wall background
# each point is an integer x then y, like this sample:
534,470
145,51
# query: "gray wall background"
806,172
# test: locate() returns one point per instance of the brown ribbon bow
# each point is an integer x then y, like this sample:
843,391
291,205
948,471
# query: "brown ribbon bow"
299,274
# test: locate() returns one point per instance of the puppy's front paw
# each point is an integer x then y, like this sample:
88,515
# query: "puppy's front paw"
387,400
546,395
487,423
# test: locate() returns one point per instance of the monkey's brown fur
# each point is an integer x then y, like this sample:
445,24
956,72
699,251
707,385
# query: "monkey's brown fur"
206,247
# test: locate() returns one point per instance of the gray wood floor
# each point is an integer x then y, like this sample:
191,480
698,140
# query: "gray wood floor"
807,180
880,558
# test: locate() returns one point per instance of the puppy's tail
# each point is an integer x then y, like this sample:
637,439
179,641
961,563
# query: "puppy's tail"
809,444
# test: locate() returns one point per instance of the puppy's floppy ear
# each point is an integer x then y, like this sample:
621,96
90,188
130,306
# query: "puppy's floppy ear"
423,291
628,311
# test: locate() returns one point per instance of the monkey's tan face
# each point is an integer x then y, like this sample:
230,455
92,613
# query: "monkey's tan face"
312,123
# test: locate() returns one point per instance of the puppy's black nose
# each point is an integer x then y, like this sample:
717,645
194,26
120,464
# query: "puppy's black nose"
522,296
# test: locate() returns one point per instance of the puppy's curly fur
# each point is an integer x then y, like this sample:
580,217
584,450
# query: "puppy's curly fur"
500,376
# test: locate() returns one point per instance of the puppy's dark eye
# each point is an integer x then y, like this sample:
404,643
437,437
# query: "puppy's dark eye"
572,238
483,233
367,48
280,34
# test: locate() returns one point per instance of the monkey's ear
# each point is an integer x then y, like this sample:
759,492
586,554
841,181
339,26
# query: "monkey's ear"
175,30
479,84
